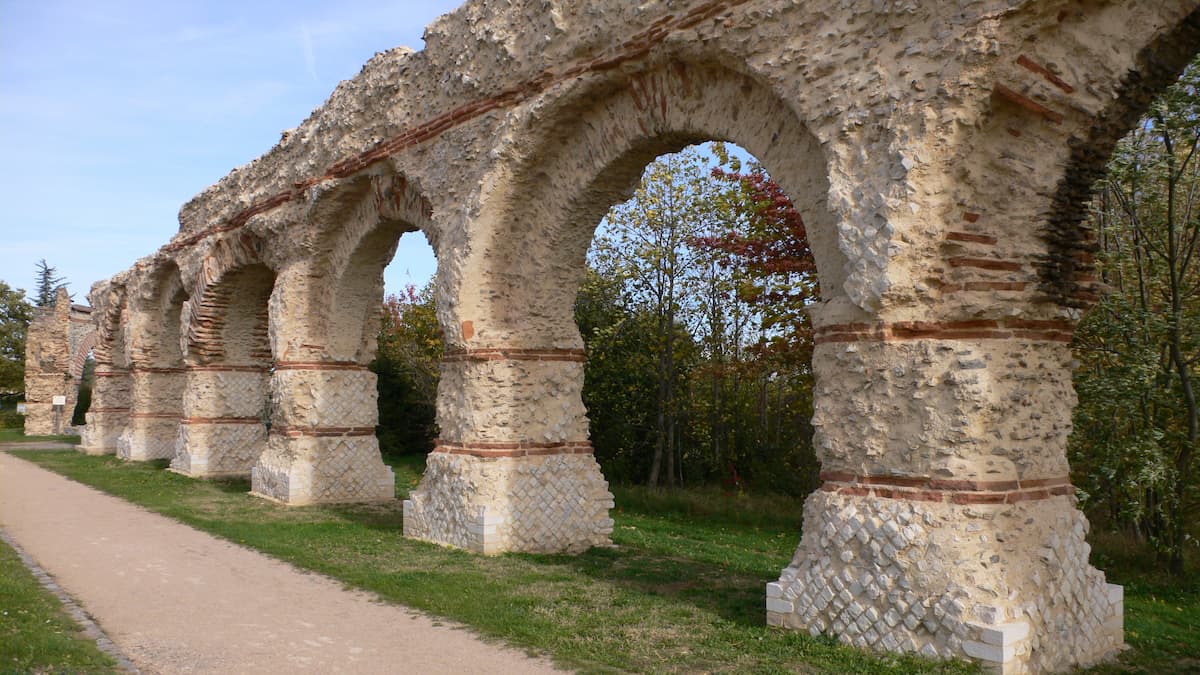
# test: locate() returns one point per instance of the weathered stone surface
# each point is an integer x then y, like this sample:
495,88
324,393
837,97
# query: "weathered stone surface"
940,153
59,339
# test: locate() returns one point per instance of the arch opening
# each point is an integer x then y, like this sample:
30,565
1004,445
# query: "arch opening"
228,362
325,409
157,367
512,382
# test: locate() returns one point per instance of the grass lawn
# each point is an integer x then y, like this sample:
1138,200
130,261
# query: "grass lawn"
681,592
17,435
36,634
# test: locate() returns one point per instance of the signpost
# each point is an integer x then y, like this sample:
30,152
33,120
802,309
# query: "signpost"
59,403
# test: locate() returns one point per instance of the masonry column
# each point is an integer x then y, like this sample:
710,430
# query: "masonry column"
322,447
947,524
223,429
108,415
153,431
513,469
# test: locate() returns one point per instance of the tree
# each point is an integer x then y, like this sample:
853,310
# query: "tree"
48,283
15,315
410,348
644,243
698,285
620,383
1138,422
87,383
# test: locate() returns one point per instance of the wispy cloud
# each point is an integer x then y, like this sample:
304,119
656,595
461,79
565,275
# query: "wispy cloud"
310,58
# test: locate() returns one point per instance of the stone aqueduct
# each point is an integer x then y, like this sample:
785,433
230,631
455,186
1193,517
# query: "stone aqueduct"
942,154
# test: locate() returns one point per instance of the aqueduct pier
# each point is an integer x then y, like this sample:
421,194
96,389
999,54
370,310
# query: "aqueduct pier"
941,153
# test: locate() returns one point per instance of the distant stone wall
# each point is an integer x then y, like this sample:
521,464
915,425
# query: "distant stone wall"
57,344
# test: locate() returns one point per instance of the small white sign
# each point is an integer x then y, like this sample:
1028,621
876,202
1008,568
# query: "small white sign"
60,400
21,409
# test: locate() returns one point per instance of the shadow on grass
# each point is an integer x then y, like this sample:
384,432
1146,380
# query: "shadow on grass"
727,592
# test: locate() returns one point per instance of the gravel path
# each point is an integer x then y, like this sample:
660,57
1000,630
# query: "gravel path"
176,600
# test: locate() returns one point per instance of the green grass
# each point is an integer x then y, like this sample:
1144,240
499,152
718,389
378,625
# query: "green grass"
682,592
1162,612
36,635
17,435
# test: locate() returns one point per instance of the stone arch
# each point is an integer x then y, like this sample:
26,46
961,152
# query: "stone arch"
159,341
108,416
229,299
228,360
86,346
511,386
157,366
361,222
591,144
323,447
1066,271
957,163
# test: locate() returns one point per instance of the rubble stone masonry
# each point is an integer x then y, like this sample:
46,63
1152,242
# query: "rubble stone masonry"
941,154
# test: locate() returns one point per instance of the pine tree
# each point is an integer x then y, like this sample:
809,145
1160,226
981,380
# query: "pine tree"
48,283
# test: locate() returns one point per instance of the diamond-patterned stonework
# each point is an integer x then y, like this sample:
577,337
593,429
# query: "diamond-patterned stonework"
148,438
315,470
949,581
226,393
543,504
108,415
214,449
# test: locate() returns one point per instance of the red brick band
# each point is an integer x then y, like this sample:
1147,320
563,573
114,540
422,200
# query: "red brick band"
109,409
1034,66
155,371
221,420
985,264
154,416
501,354
1027,103
320,432
111,373
983,329
985,286
319,365
517,449
915,488
634,47
229,369
972,238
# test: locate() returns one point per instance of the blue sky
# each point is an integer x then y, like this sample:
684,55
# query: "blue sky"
115,113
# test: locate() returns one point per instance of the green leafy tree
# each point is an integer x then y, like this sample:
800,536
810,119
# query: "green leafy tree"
644,243
15,315
694,310
1138,422
620,389
410,348
48,283
87,383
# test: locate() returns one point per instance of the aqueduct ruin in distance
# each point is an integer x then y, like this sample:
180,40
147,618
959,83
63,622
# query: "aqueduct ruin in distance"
941,152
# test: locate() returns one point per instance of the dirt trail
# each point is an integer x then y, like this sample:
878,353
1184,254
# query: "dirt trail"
176,600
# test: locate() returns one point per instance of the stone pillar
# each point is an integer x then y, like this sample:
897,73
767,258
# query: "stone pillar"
49,357
40,390
322,447
513,469
223,429
946,524
153,429
108,415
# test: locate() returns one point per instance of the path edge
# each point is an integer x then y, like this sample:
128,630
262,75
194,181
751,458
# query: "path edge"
86,622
